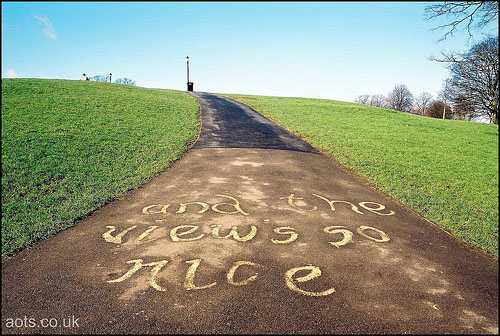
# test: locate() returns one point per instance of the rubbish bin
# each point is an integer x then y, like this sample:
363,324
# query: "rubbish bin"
190,86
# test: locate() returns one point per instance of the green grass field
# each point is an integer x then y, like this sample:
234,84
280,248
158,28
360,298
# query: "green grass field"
446,170
68,147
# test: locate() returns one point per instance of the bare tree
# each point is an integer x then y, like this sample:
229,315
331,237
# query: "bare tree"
422,101
126,81
100,78
463,110
436,108
400,99
446,95
474,78
362,99
377,100
463,12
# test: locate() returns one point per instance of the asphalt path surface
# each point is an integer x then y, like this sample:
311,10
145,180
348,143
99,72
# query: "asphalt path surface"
251,233
230,124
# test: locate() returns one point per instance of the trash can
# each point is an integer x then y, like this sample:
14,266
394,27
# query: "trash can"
190,86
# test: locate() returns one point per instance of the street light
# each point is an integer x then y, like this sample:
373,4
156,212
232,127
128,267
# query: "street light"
189,84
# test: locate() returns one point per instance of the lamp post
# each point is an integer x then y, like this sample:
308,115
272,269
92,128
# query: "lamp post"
189,84
187,64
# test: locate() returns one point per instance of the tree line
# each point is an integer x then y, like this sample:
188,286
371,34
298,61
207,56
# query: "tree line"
401,99
107,78
472,89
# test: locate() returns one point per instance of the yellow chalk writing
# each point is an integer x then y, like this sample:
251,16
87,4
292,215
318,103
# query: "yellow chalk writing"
189,280
182,207
233,233
175,236
380,207
339,229
147,232
118,238
285,230
236,206
163,209
383,236
332,206
314,272
157,266
291,203
232,270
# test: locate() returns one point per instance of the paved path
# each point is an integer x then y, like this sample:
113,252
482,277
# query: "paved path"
251,240
230,124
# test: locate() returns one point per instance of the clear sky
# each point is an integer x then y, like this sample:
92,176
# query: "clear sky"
333,50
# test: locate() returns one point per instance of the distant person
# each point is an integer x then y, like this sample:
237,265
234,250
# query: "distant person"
110,77
85,77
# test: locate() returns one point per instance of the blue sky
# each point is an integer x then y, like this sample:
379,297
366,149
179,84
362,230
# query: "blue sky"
333,50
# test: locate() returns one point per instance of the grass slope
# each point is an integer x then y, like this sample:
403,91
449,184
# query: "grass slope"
68,147
446,170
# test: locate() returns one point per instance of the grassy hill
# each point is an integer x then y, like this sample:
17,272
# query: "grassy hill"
446,170
68,147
